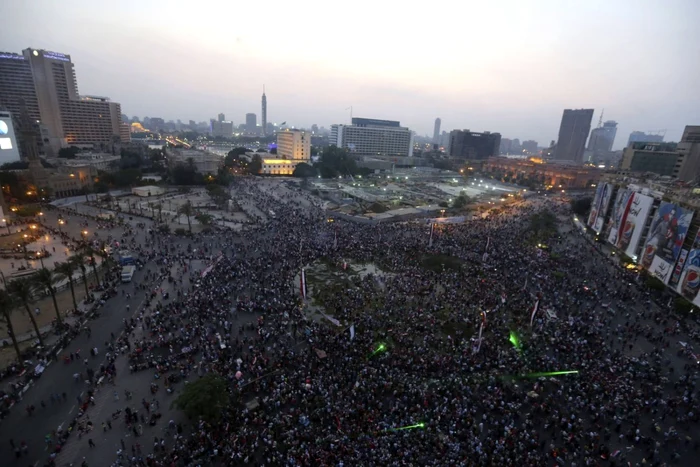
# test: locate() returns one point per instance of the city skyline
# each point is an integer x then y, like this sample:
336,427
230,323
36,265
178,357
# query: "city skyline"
544,57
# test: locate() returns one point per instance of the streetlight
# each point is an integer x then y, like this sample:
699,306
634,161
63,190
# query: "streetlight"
60,223
24,245
41,258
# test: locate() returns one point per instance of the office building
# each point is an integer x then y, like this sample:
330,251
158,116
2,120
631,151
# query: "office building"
294,144
221,128
470,145
530,147
436,131
659,158
573,132
689,149
9,147
540,172
251,123
46,82
264,113
204,162
603,137
222,117
367,137
124,133
642,137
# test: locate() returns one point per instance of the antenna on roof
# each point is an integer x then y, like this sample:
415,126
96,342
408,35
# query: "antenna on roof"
600,120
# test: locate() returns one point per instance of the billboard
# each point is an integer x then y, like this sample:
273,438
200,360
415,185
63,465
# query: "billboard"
9,152
632,224
594,212
689,283
621,208
665,240
600,206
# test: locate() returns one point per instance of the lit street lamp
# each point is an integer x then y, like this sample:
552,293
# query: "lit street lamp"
60,223
24,245
40,255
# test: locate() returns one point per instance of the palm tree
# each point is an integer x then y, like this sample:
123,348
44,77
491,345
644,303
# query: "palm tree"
90,251
47,279
159,207
6,307
187,210
79,261
67,269
23,289
86,192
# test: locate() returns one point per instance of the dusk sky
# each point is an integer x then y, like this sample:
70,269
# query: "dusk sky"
506,66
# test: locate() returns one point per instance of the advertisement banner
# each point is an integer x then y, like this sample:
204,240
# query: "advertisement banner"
621,208
594,211
665,240
632,225
605,198
689,283
676,276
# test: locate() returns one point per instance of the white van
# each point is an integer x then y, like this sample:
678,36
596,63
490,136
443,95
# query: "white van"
128,273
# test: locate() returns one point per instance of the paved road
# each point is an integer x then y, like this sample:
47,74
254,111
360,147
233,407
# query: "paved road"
57,378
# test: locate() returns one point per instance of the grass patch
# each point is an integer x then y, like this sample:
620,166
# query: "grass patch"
436,263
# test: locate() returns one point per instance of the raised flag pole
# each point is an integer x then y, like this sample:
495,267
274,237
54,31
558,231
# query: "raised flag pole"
534,311
432,228
302,283
481,330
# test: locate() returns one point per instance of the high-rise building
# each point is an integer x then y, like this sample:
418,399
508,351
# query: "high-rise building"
436,131
368,137
251,123
658,158
573,132
465,144
689,149
530,147
264,113
293,144
46,82
642,137
222,117
602,138
221,128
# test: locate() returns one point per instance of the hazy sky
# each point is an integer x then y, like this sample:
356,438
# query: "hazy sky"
507,66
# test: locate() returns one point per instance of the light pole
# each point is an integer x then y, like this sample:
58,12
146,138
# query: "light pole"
41,258
7,224
60,223
24,245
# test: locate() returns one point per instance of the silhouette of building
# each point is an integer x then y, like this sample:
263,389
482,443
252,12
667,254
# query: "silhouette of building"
465,144
573,132
251,123
642,137
221,117
264,112
602,138
436,131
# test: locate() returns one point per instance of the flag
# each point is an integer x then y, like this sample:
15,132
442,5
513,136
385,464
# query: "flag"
534,311
432,229
303,283
283,123
484,257
481,330
345,265
335,239
525,286
488,243
503,298
352,332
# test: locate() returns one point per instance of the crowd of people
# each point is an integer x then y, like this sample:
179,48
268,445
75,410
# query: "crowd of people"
418,365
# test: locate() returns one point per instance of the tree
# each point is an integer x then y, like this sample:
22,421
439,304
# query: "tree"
204,219
67,269
336,161
304,170
187,210
206,399
90,252
233,156
68,153
46,279
461,201
273,151
86,192
23,290
255,165
6,308
581,206
79,261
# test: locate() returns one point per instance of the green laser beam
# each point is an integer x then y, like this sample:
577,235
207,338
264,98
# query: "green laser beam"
515,340
551,373
408,427
381,348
